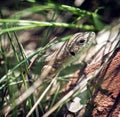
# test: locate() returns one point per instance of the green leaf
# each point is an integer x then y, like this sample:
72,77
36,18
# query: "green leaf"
85,96
31,1
98,23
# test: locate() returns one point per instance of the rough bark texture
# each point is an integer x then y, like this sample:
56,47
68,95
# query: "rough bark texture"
107,97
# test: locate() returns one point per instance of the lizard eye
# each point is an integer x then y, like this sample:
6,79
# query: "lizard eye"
72,53
81,41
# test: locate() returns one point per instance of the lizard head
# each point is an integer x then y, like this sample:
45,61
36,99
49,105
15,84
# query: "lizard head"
79,40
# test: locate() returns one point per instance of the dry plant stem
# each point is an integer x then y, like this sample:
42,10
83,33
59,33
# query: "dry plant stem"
40,98
67,96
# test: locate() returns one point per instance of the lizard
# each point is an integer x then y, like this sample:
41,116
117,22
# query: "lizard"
75,47
69,49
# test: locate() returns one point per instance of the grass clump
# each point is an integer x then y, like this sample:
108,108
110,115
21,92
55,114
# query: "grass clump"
19,70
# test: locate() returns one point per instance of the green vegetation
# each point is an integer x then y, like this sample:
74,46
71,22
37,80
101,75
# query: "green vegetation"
16,74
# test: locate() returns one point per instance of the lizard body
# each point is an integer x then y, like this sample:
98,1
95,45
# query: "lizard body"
70,48
73,49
